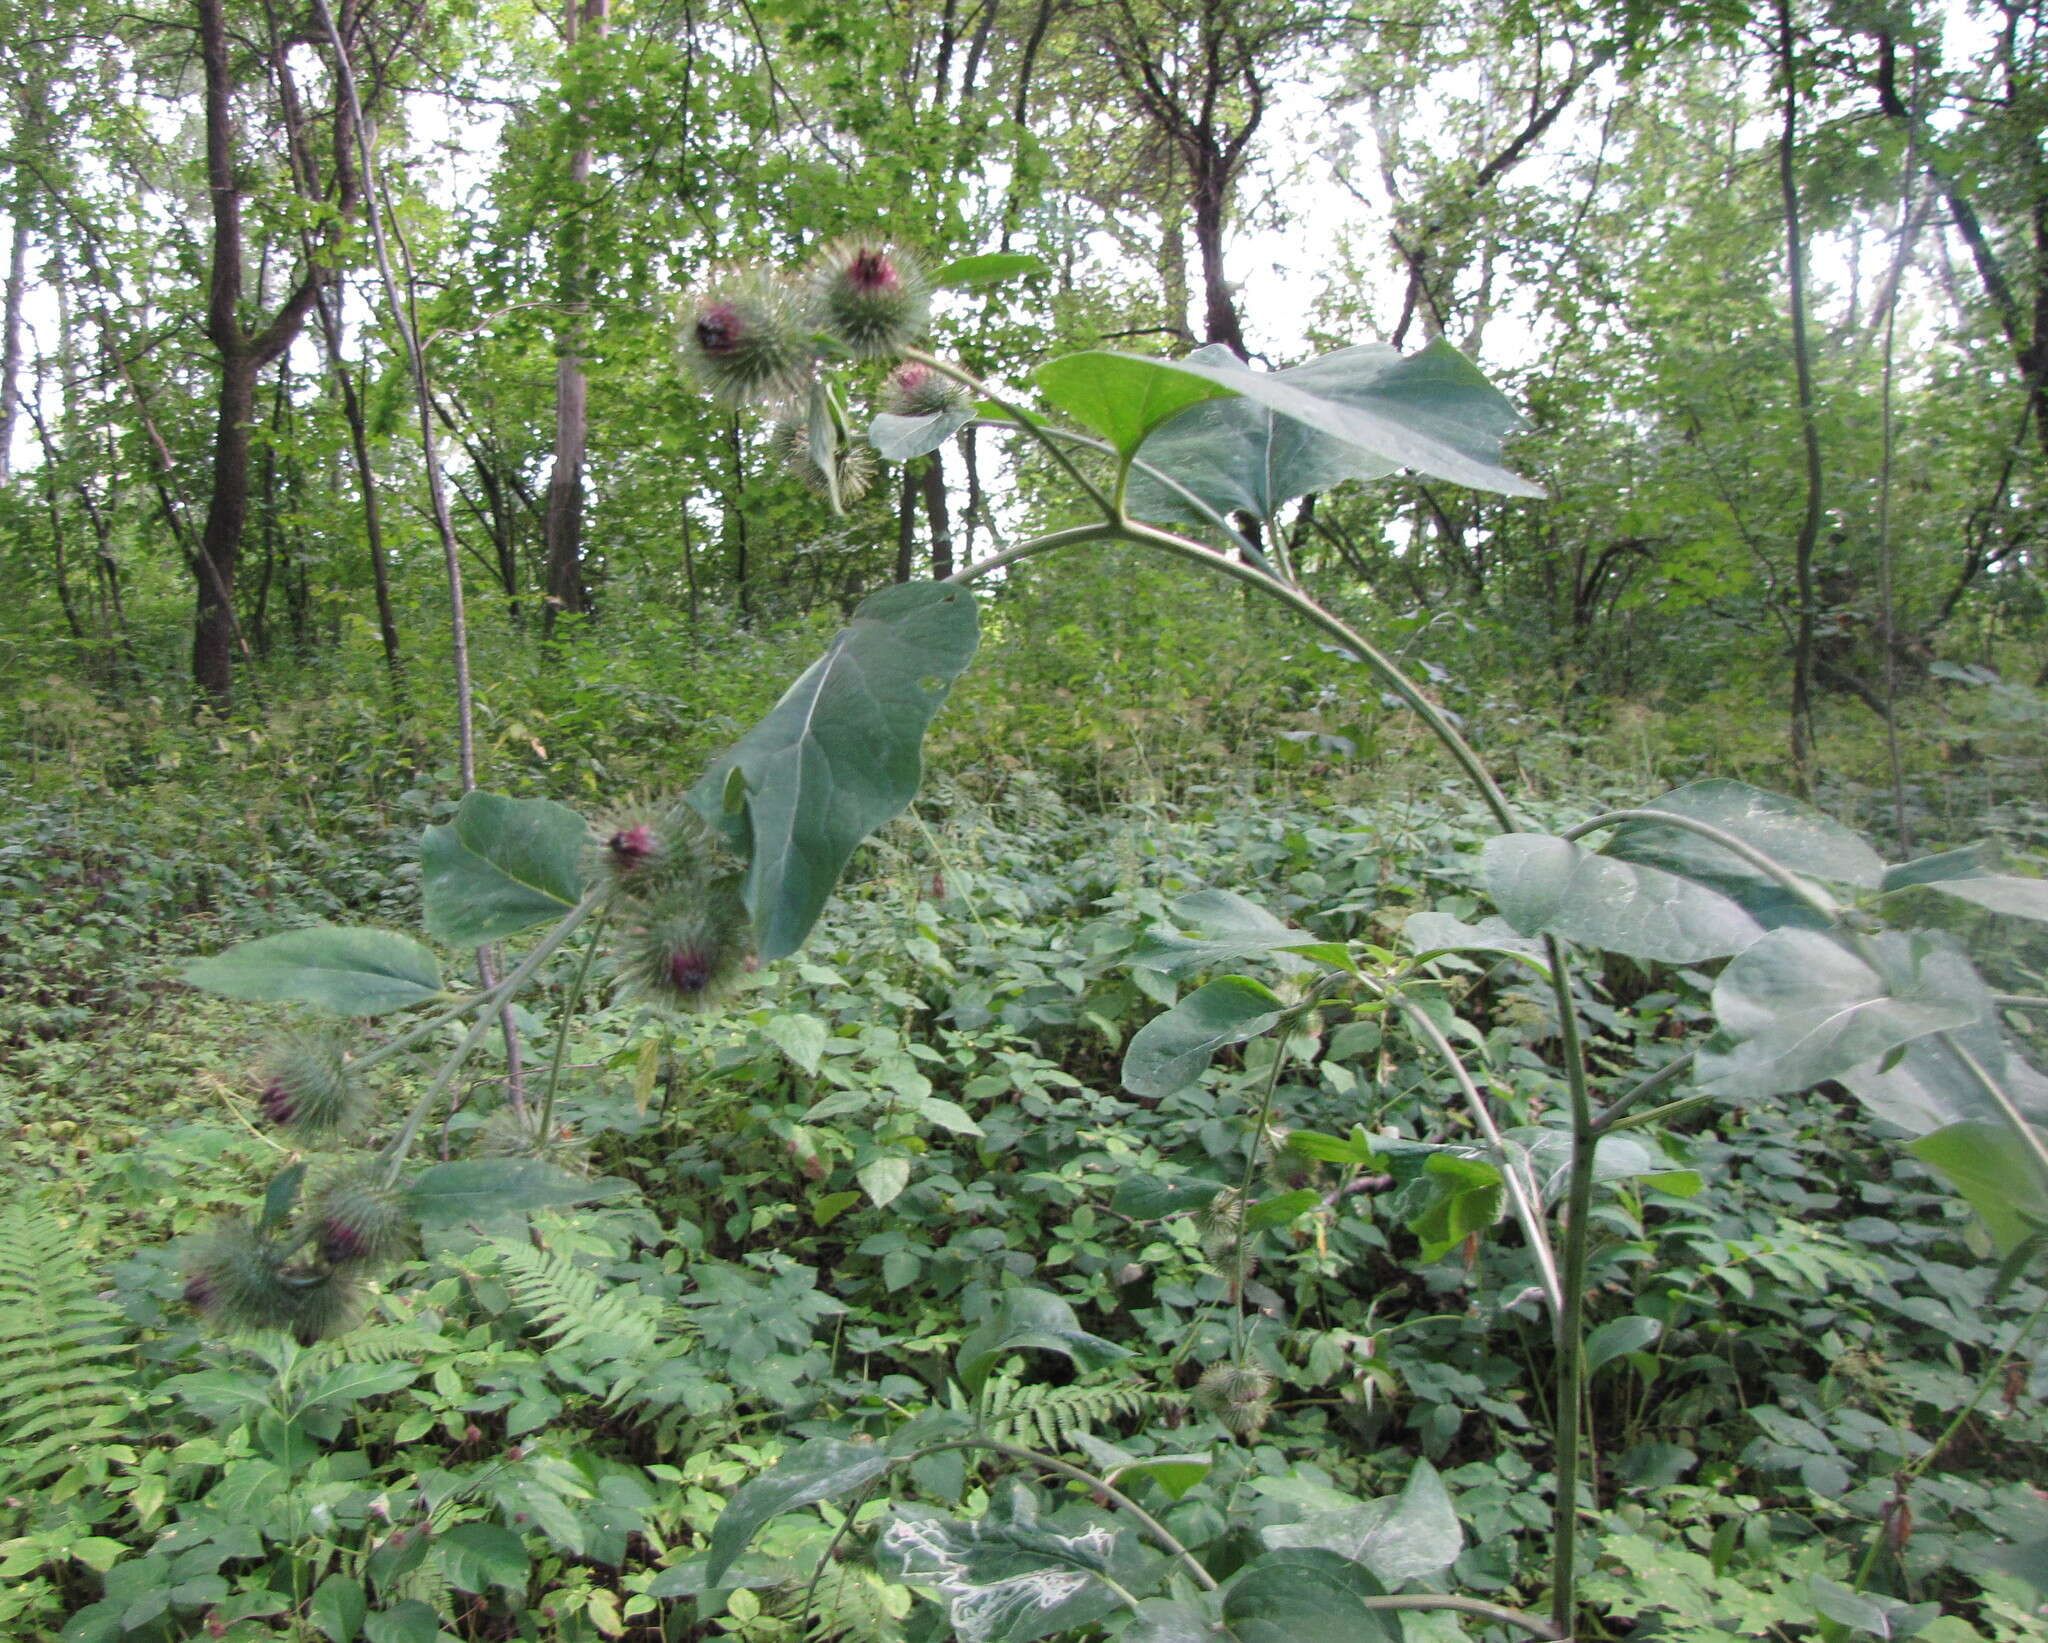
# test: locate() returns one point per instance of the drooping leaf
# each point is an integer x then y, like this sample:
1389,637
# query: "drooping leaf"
1461,1194
839,755
1996,1174
1122,397
1155,1197
1030,1320
1927,1085
1797,1007
884,1178
1796,837
1281,1208
1237,455
1618,1338
1170,1051
345,971
1431,933
1410,1536
1433,412
477,1189
1305,1594
987,268
821,1469
499,866
1008,1577
901,438
337,1608
1227,927
1551,886
477,1556
1176,1474
1962,874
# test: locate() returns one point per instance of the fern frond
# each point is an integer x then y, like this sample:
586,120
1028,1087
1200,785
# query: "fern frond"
1053,1416
574,1310
374,1344
854,1604
60,1347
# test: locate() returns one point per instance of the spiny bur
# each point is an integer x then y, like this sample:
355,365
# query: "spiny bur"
746,340
1238,1395
870,295
359,1221
854,464
915,389
310,1089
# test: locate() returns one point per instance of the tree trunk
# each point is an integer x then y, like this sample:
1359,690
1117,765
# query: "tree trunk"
366,480
243,356
10,345
1219,308
935,516
567,593
1809,428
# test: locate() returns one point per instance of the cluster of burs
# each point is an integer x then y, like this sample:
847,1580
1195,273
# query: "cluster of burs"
760,338
682,939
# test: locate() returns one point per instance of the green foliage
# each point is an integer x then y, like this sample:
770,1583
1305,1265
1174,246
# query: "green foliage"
61,1355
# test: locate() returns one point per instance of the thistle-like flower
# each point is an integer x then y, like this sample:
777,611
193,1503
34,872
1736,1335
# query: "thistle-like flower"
746,340
855,463
358,1221
870,295
915,389
650,851
328,1303
691,948
1238,1395
310,1089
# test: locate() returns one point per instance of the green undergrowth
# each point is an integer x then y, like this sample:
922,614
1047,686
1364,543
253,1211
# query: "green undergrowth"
820,1194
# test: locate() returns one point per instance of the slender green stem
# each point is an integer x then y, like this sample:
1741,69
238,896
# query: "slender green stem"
1657,1115
1260,1125
1022,418
1477,1607
401,1144
1570,1315
1569,1417
2019,1001
542,1126
1817,899
1523,1197
2030,1137
1162,1536
1663,1078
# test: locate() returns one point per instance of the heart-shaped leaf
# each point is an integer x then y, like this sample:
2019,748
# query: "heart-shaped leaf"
839,755
346,971
1797,1007
500,866
1550,886
1171,1051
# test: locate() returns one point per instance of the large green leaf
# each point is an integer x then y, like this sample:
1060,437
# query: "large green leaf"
1170,1051
478,1189
1410,1536
1927,1085
1796,837
822,1469
1550,886
1996,1174
1962,874
839,755
900,438
347,971
1236,454
477,1556
1797,1007
1121,396
1009,1577
1434,412
987,268
1226,927
500,866
1305,1595
1030,1320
